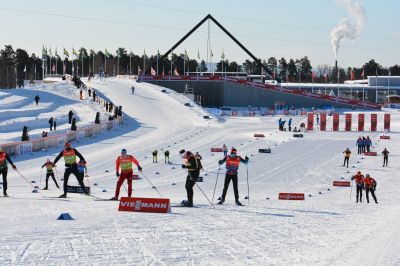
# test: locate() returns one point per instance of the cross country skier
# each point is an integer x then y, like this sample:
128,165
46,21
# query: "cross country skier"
71,167
4,169
82,169
385,153
232,166
225,150
359,144
359,185
347,154
154,153
370,186
166,156
125,163
133,90
49,173
190,164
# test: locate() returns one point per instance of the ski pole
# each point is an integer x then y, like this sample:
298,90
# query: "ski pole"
216,181
28,182
153,186
41,173
351,190
201,190
248,186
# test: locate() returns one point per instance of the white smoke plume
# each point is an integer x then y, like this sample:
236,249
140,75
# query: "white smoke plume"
350,27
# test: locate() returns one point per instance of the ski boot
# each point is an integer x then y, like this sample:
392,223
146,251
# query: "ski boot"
114,198
63,196
45,188
238,203
221,202
5,194
186,203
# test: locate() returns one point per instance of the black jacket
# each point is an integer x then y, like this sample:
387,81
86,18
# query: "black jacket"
61,154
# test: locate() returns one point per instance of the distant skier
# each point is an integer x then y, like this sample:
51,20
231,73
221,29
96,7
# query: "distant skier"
49,173
363,144
347,154
190,164
44,134
125,163
232,166
359,185
71,166
81,94
359,145
133,90
368,143
385,154
82,169
290,124
370,187
154,153
225,150
51,123
4,169
25,135
70,115
94,96
37,99
97,119
55,125
90,92
317,119
110,107
73,125
120,111
166,156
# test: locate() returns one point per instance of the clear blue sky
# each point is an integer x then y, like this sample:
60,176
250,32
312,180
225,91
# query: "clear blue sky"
284,28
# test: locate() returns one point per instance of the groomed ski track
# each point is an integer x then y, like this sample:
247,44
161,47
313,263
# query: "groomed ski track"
325,229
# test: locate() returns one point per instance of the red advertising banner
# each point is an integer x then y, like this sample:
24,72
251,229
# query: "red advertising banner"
384,137
371,153
341,183
348,122
144,205
259,135
361,122
386,122
374,121
322,124
291,196
335,122
217,150
310,121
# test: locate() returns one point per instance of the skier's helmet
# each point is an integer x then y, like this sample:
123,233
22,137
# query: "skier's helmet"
123,152
67,145
233,151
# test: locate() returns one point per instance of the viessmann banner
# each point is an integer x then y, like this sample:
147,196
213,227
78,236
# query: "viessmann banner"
144,205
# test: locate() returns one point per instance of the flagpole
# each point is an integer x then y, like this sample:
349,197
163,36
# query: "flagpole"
144,62
82,65
376,85
118,64
171,62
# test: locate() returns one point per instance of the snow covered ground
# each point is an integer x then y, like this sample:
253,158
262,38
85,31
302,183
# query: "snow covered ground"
18,109
325,229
